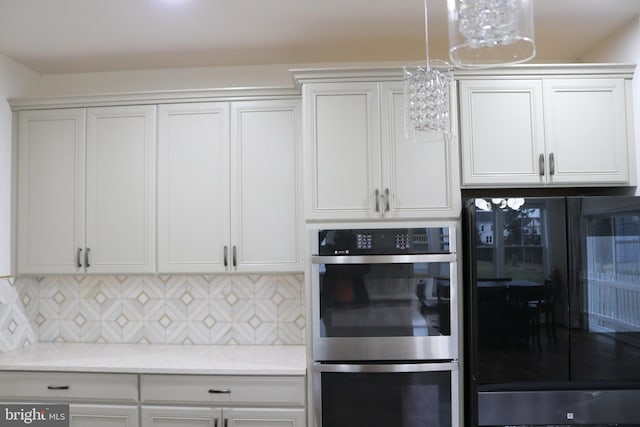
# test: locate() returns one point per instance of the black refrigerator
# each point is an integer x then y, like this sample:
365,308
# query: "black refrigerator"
552,310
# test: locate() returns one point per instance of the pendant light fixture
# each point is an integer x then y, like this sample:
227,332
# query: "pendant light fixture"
487,33
426,94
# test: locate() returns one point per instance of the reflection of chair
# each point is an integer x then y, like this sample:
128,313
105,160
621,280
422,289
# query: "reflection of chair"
548,307
526,304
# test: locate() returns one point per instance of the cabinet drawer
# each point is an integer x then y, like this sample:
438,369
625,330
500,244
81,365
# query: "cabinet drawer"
68,387
227,390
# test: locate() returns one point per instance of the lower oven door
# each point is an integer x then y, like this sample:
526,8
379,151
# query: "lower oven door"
399,395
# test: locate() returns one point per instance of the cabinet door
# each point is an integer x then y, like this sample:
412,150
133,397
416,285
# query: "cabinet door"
120,191
180,416
103,416
586,134
502,132
272,417
193,193
419,175
342,150
50,222
265,186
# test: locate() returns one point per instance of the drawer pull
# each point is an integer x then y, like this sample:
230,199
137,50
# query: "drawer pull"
219,391
58,387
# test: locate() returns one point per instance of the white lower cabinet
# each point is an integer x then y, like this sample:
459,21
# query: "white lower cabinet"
222,401
103,416
95,400
178,416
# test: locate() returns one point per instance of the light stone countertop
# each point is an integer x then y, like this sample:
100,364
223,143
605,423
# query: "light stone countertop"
158,359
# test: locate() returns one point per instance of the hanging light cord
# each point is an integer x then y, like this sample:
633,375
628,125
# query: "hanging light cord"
426,35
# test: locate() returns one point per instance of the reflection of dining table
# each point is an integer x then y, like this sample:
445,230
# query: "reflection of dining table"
489,283
525,290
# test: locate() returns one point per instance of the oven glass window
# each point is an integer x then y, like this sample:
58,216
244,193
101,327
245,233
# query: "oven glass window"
385,300
412,399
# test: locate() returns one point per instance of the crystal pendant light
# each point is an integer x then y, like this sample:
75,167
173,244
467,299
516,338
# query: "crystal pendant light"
486,33
426,94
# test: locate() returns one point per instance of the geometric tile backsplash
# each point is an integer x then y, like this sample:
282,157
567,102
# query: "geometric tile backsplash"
258,309
15,328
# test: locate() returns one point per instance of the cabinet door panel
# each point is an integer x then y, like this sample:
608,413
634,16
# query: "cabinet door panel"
193,194
501,125
265,185
271,417
120,225
103,416
342,150
586,130
179,416
417,172
51,149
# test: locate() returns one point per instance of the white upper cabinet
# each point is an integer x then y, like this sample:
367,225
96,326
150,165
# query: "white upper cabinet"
50,213
228,197
342,151
586,131
360,165
266,186
419,175
193,187
120,190
545,131
86,190
502,131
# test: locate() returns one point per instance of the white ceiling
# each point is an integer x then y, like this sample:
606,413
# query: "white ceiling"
64,36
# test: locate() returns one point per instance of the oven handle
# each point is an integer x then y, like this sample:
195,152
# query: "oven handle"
381,259
348,368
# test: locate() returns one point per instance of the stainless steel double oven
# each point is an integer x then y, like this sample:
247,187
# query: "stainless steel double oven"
385,326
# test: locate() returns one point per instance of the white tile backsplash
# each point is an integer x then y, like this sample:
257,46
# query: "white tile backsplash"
16,329
226,309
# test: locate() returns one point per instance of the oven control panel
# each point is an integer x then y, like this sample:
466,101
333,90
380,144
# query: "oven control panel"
384,241
364,241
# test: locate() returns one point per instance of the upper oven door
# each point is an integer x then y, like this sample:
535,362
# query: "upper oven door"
384,307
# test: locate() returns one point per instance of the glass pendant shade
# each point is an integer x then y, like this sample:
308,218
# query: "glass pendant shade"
426,94
486,33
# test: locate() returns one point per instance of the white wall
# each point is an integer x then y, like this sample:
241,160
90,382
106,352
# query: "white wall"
624,46
164,80
256,76
15,81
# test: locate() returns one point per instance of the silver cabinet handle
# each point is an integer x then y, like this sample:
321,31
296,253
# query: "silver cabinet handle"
377,195
58,387
552,164
541,164
78,261
235,257
86,257
386,199
219,391
225,256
